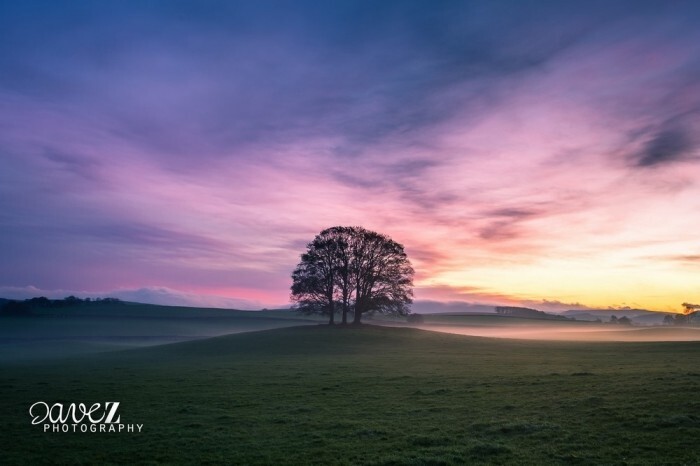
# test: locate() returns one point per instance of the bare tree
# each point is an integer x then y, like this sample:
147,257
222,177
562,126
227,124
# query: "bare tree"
314,279
363,271
382,275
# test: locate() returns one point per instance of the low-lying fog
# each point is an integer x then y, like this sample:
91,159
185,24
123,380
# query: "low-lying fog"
55,337
570,332
51,337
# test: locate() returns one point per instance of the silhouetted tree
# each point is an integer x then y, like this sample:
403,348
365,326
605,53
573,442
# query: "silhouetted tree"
363,271
382,275
624,320
112,301
314,279
668,319
41,301
689,308
680,319
16,308
345,236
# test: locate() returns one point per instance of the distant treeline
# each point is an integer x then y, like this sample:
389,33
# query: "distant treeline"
25,308
527,313
691,318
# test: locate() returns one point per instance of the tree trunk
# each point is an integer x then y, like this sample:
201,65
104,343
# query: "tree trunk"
332,318
358,316
345,308
358,305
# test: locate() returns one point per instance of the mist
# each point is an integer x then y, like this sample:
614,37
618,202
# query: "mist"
569,332
53,337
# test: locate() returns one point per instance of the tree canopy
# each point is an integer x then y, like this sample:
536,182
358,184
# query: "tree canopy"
354,270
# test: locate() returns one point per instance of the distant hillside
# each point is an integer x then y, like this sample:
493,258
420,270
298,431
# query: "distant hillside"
494,320
641,316
437,307
527,313
508,312
111,307
44,329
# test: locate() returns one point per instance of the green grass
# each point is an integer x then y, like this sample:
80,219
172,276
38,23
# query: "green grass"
58,332
369,395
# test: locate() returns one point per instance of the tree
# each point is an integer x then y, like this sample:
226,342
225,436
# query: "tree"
16,308
624,320
41,301
680,319
689,308
382,275
360,270
345,237
314,279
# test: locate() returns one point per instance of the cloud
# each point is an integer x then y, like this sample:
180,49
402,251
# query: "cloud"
667,146
154,237
511,212
554,305
445,298
85,168
691,260
358,78
200,146
499,231
505,223
463,294
431,306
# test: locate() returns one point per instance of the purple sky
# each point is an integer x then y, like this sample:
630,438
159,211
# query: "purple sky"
543,153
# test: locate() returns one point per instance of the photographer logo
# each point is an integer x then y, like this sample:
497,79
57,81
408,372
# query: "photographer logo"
79,417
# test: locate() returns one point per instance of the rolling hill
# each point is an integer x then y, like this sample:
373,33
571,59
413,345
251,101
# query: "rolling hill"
368,395
640,316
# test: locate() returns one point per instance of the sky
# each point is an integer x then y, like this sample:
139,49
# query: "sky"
537,153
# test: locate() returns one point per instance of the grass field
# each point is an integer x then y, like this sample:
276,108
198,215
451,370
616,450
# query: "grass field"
369,395
56,333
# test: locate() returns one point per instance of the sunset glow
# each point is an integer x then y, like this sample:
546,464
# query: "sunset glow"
548,156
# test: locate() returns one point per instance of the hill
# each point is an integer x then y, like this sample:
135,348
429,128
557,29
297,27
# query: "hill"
368,395
640,316
496,320
72,306
437,307
57,331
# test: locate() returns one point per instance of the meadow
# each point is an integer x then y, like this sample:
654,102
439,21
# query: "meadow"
57,333
316,394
